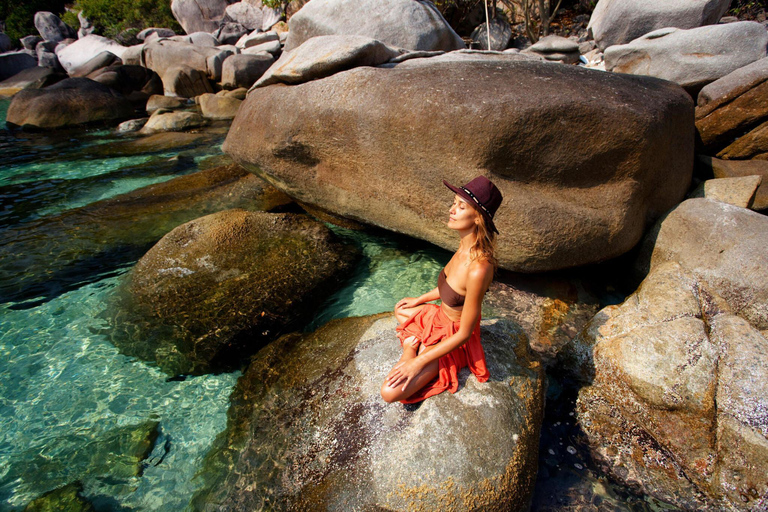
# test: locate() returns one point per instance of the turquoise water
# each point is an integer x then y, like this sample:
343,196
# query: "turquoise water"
69,401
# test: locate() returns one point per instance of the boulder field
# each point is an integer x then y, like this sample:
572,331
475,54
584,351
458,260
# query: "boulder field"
585,160
308,430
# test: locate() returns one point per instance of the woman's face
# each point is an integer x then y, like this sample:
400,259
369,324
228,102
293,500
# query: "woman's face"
461,215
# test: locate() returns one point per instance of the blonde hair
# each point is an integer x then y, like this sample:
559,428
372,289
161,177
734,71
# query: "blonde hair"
485,243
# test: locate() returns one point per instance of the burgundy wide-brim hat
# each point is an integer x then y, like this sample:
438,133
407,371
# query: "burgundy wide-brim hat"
483,195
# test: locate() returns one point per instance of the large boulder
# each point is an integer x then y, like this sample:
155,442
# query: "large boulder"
12,63
500,35
217,106
5,42
220,286
691,58
556,48
739,191
101,60
46,55
163,120
162,55
733,105
101,236
583,159
678,393
74,101
409,24
51,28
621,21
199,15
185,82
79,53
722,244
323,56
31,78
246,14
308,430
243,70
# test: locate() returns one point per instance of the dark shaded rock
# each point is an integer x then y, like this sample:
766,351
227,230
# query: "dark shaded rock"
230,33
13,63
621,21
46,55
721,244
691,58
156,32
676,406
501,34
5,42
570,198
30,42
243,70
128,79
73,101
37,262
101,60
185,82
219,287
714,167
51,28
323,56
31,78
68,498
158,101
307,428
399,23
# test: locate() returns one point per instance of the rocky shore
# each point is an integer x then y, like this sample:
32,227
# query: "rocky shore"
640,140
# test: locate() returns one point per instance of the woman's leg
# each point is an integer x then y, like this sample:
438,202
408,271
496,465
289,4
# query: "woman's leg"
403,314
394,394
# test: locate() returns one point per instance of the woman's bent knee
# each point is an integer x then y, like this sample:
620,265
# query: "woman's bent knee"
389,394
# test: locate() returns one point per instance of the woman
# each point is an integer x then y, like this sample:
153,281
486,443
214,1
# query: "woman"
438,341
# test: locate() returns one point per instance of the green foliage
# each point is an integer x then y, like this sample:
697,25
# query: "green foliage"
19,15
274,3
111,17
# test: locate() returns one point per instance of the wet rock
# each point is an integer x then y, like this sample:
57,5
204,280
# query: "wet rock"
556,48
98,237
244,70
73,101
78,54
501,34
323,56
185,82
199,15
101,60
736,191
246,14
158,101
398,23
156,143
13,63
570,198
51,28
720,243
30,42
691,58
155,32
733,105
676,404
133,125
69,498
308,429
169,121
214,106
219,287
737,168
31,78
621,21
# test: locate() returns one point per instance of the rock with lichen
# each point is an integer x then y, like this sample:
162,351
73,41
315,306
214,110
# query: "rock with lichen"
308,430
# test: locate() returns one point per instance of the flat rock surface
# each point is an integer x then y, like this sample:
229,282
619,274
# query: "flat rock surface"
736,191
583,159
307,428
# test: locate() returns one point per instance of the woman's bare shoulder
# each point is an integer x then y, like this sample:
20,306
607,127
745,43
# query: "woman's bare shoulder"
480,269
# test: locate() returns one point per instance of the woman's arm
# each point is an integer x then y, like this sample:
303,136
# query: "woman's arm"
410,302
478,280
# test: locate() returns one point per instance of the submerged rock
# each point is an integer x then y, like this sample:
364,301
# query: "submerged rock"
96,238
399,23
67,498
691,58
581,173
720,243
217,288
678,396
307,428
73,101
621,21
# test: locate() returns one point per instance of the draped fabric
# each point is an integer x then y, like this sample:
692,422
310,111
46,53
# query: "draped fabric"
431,325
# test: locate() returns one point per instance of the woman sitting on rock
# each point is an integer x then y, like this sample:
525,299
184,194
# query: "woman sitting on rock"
438,341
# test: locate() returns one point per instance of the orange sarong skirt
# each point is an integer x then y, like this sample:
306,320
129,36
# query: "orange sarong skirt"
431,325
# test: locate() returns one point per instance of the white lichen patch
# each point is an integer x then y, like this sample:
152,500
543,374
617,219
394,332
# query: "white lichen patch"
176,271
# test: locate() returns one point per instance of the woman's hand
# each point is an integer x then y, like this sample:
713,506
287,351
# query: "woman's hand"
404,372
407,302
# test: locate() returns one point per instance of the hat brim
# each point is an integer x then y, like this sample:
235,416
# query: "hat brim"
488,220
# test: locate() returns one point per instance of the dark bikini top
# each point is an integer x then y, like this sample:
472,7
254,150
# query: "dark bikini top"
447,294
